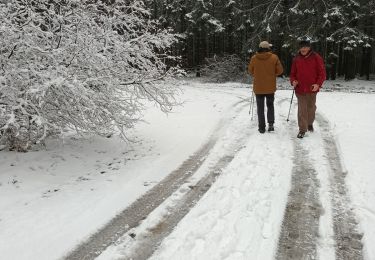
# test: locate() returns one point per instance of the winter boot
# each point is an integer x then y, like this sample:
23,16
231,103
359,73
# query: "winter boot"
270,128
262,130
310,128
301,134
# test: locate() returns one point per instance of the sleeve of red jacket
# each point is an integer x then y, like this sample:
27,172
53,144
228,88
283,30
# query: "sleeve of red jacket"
293,72
321,71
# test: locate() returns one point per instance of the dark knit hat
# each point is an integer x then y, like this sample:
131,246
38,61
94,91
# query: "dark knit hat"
304,43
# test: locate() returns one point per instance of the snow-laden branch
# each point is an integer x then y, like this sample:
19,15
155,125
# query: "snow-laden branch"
79,65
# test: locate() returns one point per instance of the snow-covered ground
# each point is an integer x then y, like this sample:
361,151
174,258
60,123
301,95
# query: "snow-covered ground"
353,125
53,199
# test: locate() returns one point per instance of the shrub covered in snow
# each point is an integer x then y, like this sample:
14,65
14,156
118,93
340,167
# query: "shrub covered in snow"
224,68
83,65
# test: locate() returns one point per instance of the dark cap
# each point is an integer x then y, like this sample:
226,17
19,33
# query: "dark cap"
304,43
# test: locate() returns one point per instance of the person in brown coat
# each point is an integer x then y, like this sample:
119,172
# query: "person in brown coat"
265,66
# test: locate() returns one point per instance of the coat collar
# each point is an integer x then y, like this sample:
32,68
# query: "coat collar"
310,53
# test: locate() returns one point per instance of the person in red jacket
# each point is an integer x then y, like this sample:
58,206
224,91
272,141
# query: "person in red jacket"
307,76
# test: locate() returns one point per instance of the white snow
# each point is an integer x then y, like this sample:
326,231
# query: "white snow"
51,200
55,198
352,122
240,216
321,164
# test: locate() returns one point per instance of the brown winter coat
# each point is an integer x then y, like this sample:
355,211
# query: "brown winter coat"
265,67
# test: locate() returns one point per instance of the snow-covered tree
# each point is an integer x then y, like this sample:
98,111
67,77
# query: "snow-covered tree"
202,24
83,65
218,27
341,20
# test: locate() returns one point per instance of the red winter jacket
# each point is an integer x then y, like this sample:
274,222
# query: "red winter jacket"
308,70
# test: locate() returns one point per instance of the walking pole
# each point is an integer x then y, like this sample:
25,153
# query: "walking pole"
291,100
251,105
252,110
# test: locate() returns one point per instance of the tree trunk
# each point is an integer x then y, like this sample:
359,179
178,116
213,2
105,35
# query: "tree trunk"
349,65
341,60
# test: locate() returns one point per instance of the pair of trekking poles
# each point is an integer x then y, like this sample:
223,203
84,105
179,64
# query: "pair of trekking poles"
251,111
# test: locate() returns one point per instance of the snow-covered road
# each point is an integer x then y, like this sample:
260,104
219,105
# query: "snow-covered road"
203,184
183,189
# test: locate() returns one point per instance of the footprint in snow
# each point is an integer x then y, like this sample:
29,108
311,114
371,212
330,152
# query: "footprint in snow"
82,178
148,183
49,193
14,182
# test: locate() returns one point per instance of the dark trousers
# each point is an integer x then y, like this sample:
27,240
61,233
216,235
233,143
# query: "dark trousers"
270,109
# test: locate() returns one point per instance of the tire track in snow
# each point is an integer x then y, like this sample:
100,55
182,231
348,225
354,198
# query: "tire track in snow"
348,244
147,237
300,228
147,243
132,216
